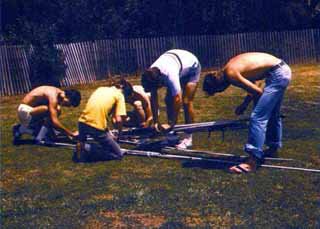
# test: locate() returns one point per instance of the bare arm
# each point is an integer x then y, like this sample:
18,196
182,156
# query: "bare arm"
149,115
246,101
146,104
239,80
118,122
243,106
53,112
154,105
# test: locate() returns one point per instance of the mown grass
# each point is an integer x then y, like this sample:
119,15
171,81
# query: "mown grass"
42,188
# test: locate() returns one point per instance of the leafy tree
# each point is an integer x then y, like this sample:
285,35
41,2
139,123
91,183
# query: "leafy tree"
46,65
70,21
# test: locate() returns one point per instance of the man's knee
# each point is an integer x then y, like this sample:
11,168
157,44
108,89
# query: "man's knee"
138,105
187,102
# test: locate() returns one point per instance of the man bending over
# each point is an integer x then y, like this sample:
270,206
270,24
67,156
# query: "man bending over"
179,71
265,122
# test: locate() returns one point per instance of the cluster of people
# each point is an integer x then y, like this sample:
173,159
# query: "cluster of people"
179,71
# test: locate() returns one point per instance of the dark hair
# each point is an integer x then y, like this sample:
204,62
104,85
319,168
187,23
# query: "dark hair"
123,84
74,97
126,88
215,82
151,79
209,84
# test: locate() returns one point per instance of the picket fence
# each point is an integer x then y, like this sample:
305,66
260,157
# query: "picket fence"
95,60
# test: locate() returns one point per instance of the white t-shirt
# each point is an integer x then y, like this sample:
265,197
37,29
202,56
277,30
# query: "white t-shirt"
139,89
170,67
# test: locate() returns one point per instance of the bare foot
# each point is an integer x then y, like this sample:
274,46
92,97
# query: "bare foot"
249,166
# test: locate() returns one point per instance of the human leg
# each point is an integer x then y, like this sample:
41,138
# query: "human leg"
189,91
259,120
139,112
274,128
169,106
111,149
26,122
103,148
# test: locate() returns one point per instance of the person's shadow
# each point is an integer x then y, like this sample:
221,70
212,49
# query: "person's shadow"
221,163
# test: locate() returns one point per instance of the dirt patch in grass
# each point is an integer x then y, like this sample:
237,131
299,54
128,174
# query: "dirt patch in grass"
125,220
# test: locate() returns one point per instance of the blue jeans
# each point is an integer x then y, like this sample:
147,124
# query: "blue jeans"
265,122
104,148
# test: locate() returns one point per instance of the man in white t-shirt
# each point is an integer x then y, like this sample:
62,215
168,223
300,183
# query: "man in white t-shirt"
178,71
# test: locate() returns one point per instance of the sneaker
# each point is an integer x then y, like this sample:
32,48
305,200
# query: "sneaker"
16,134
185,143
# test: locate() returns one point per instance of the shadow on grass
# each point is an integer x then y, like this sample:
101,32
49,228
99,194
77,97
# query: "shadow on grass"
209,165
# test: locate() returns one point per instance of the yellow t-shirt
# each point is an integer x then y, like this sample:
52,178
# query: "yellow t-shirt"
100,104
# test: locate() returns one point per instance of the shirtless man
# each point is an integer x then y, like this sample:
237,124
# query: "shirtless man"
265,121
179,71
43,106
141,115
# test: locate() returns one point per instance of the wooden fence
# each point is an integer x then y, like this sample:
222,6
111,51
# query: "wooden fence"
95,60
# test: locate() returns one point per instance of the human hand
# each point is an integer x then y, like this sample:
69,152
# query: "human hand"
74,135
162,128
143,125
240,109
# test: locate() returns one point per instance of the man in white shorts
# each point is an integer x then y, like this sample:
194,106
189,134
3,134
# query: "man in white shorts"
39,111
179,71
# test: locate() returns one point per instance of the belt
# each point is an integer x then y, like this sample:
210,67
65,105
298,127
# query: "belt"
275,67
178,58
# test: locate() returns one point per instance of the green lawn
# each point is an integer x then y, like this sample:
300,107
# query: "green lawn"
42,188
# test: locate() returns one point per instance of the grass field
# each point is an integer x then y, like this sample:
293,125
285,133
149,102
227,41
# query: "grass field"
42,188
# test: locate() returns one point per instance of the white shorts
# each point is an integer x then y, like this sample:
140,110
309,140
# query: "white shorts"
24,114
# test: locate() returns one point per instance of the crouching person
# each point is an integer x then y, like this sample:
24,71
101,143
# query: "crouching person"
39,113
141,114
93,123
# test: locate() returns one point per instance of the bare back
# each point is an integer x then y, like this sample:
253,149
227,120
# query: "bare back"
42,95
252,65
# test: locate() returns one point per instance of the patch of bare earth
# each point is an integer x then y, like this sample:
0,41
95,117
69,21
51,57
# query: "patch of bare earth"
123,219
220,221
103,197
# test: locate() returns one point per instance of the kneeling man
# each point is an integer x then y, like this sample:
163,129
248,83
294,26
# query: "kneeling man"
93,123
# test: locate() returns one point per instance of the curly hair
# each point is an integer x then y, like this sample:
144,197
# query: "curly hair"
74,97
126,86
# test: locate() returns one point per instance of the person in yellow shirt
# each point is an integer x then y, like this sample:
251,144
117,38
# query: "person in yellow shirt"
93,122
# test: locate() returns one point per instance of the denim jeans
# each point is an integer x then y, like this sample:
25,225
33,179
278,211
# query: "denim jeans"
104,148
265,122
